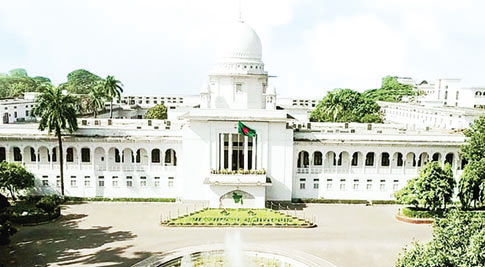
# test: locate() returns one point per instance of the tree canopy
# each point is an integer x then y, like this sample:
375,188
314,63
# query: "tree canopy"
17,82
14,178
346,105
158,112
432,189
391,90
458,240
80,82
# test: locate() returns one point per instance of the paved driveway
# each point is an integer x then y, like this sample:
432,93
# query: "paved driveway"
121,234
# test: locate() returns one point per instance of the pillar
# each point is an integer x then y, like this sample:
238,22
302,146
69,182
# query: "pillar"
253,154
229,153
246,157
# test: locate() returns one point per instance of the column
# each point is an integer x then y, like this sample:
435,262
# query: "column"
92,157
106,159
149,158
246,157
221,151
416,160
79,159
37,158
404,159
253,155
390,163
337,158
51,156
376,161
8,155
229,153
351,158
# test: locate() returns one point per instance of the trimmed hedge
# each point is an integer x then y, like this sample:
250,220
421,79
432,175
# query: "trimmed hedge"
384,202
104,199
332,201
35,216
413,212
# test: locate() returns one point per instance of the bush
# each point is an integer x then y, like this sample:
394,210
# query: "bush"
422,213
384,202
104,199
49,203
333,201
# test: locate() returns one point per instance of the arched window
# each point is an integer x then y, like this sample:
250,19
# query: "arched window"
54,154
436,157
369,159
117,156
156,155
449,158
400,161
385,159
70,154
138,156
317,158
355,159
303,159
170,158
32,155
17,156
2,154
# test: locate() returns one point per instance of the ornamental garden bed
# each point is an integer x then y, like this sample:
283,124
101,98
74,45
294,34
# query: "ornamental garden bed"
238,218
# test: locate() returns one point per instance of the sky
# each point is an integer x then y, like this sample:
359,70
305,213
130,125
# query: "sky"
312,46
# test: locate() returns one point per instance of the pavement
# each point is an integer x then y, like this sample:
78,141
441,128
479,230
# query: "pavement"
122,234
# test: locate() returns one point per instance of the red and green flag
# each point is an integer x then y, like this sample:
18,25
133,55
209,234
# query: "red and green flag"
245,130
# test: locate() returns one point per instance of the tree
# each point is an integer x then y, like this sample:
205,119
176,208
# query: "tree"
158,112
432,189
57,113
391,90
345,105
18,82
14,178
97,97
474,149
458,240
112,88
472,183
81,82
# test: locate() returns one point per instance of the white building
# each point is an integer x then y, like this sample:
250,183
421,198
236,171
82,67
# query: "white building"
198,154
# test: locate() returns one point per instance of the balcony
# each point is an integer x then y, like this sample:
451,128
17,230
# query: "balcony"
238,179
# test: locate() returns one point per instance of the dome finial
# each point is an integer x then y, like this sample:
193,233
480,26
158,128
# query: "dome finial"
240,12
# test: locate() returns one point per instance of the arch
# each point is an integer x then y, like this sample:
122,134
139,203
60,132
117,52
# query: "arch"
449,158
423,159
156,157
141,156
71,154
29,154
385,159
54,151
303,159
478,94
399,159
330,158
17,153
170,157
127,155
369,159
317,158
410,159
356,158
43,155
85,154
99,155
114,155
343,159
228,200
436,157
3,154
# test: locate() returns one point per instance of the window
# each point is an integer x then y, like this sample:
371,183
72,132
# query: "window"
302,183
70,155
356,187
138,156
85,154
101,181
32,155
342,187
129,181
316,183
157,182
170,158
369,159
329,186
385,159
115,181
17,156
27,112
369,187
317,158
302,186
156,155
117,156
395,187
73,181
15,114
143,181
355,158
45,181
400,161
382,187
239,87
58,181
170,181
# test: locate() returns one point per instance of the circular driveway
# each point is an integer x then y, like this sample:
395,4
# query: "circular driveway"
122,234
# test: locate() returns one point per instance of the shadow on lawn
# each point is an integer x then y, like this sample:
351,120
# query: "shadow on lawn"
60,242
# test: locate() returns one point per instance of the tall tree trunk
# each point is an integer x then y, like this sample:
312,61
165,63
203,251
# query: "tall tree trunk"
111,109
61,159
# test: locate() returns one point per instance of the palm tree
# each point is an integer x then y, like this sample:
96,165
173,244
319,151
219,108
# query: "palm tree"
97,96
57,112
112,88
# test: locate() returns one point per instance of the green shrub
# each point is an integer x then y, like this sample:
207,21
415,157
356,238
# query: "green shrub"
333,201
49,203
384,202
76,199
413,212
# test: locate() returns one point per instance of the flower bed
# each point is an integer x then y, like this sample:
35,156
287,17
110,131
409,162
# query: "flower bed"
238,217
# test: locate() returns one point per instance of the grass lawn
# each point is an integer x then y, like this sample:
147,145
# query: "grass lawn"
238,217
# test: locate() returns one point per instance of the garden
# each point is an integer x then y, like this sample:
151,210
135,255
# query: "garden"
237,218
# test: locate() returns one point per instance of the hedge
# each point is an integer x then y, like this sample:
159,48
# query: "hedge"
37,216
413,212
331,201
104,199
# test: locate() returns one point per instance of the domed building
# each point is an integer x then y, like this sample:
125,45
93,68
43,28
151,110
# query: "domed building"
236,138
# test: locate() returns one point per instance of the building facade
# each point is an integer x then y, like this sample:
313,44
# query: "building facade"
199,154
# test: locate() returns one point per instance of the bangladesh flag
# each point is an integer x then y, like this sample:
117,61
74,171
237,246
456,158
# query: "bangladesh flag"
245,130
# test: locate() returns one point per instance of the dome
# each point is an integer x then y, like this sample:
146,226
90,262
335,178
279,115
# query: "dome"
239,43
